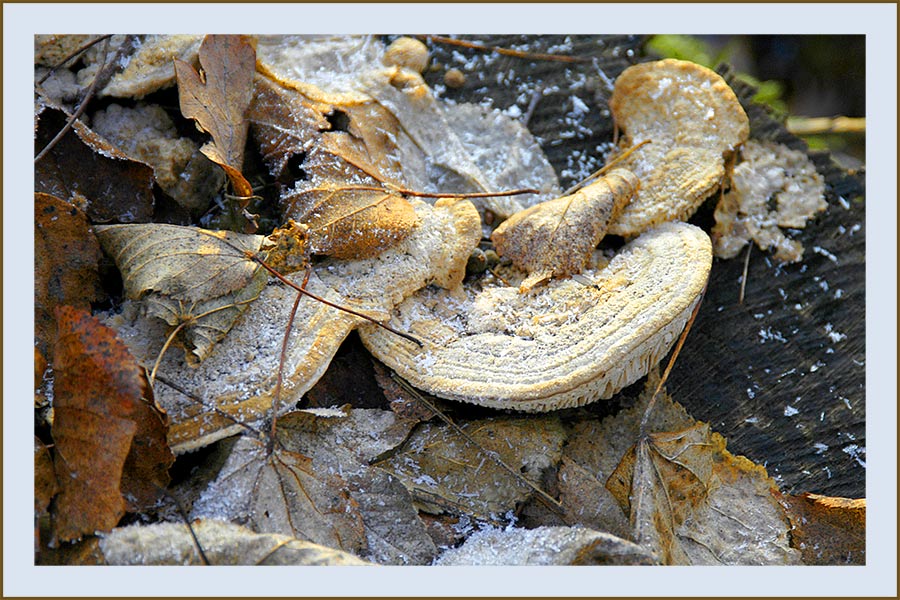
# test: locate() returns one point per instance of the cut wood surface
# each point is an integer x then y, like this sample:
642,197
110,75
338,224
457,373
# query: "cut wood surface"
800,332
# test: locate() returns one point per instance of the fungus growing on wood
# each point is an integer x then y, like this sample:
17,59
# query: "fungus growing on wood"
774,188
561,345
693,121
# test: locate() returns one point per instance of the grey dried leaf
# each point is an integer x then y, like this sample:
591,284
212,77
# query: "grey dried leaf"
225,544
281,492
445,472
545,546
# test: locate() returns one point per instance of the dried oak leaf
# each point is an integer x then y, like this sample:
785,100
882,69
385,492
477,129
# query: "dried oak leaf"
564,344
827,530
239,377
545,546
347,194
224,544
688,499
86,170
693,121
769,175
218,98
445,472
557,237
102,402
198,278
66,255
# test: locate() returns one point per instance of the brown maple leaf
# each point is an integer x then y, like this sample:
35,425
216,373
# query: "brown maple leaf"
217,99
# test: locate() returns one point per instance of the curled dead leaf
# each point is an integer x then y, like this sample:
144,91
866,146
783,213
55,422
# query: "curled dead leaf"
545,546
693,121
224,544
200,278
557,237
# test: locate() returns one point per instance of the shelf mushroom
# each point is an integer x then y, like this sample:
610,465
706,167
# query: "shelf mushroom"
559,345
694,122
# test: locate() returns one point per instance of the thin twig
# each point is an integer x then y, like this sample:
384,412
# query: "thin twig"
75,53
198,401
746,271
187,521
276,396
546,498
504,51
82,106
529,112
662,380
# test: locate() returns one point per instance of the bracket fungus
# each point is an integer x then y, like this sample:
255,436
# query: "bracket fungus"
561,345
694,122
769,174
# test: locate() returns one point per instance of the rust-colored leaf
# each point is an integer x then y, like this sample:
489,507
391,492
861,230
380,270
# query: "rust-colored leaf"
66,255
89,172
218,97
101,402
827,530
348,220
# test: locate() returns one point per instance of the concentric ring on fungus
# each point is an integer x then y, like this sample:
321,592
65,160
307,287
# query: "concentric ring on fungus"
561,345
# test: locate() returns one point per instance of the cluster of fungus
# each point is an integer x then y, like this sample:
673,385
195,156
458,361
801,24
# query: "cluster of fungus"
556,330
556,324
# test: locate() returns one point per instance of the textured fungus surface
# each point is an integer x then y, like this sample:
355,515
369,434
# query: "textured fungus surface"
561,345
693,121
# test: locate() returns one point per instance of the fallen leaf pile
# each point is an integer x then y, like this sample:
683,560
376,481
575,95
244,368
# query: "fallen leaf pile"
361,172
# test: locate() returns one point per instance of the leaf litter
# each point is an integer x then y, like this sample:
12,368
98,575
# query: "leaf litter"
307,455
